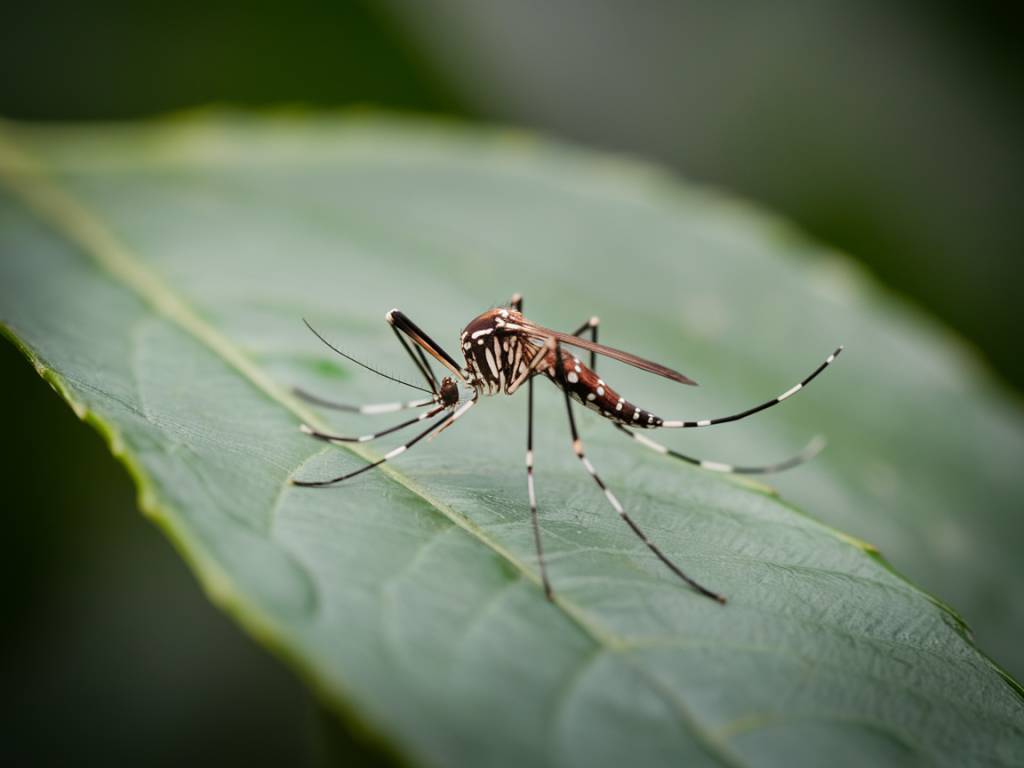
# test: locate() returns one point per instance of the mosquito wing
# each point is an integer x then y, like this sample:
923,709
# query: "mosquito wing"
539,332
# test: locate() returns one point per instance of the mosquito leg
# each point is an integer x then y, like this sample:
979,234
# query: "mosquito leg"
389,455
811,450
577,447
437,425
457,414
590,325
516,302
400,322
535,364
533,495
750,411
426,364
373,435
369,409
419,359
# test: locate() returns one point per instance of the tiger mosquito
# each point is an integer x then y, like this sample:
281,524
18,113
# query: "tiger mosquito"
503,351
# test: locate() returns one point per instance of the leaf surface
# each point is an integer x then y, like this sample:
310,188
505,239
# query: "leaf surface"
157,276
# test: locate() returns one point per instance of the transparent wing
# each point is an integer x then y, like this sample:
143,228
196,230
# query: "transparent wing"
540,332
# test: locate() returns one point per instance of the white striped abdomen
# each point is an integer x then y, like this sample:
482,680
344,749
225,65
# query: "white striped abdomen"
585,387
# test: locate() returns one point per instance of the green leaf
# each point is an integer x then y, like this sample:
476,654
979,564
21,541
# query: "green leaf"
156,275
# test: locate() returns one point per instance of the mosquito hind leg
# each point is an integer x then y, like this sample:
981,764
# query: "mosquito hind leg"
590,325
812,449
516,303
681,424
577,447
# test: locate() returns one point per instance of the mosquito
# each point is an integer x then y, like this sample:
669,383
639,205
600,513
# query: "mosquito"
503,351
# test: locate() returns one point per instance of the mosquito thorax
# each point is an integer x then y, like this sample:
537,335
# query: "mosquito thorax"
494,348
489,322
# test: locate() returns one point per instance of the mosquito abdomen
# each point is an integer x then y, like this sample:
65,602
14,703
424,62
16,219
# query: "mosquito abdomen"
585,387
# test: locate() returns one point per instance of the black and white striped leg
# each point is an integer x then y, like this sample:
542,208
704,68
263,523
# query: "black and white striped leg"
590,325
535,363
373,435
400,322
387,456
419,359
534,520
811,450
577,447
368,409
516,303
438,425
757,408
457,414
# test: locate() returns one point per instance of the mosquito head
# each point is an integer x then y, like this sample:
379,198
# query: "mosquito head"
449,392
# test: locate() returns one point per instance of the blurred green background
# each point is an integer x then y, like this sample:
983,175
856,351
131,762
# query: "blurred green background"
893,132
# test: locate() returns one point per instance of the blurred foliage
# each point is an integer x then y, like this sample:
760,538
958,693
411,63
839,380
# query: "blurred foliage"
114,59
891,130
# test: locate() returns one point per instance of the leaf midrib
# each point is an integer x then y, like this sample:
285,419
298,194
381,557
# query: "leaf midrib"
29,180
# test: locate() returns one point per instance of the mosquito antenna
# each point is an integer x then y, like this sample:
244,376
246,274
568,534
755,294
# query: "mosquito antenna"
360,363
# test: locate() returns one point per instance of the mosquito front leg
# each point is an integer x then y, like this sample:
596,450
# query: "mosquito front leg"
419,359
437,426
577,447
387,456
400,322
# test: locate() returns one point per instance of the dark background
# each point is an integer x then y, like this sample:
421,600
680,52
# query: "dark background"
894,132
